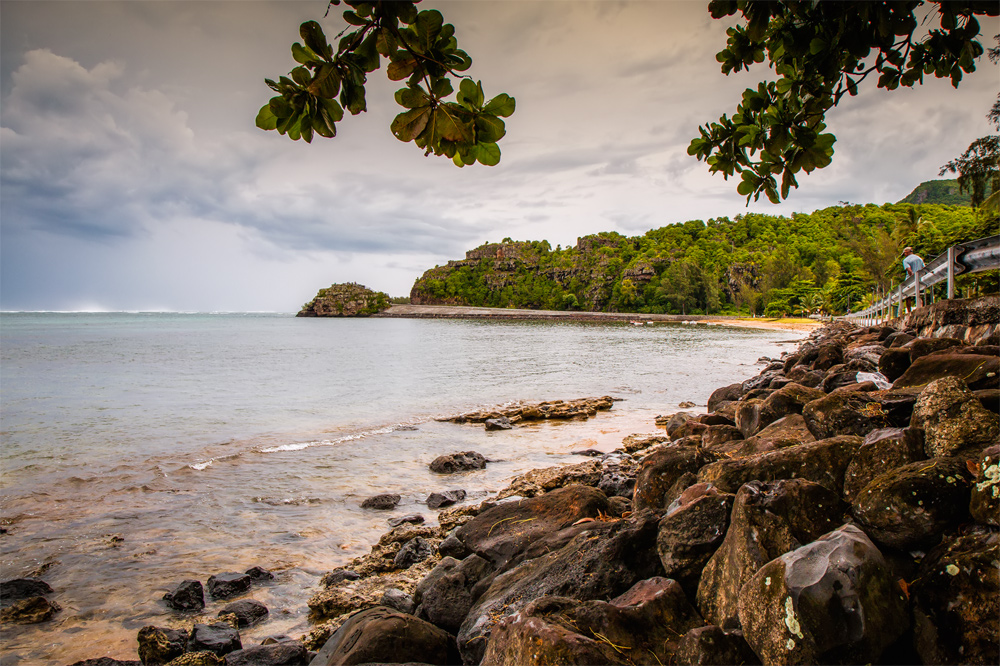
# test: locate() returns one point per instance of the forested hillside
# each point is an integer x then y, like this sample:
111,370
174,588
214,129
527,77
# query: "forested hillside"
827,261
940,192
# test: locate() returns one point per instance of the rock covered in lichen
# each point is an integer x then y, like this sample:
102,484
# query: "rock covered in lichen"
345,300
985,502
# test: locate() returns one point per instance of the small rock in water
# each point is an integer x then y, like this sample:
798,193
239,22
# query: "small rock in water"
447,498
188,596
106,661
458,462
29,611
158,645
259,573
383,502
415,550
502,423
247,611
590,453
229,584
686,404
217,638
413,519
22,588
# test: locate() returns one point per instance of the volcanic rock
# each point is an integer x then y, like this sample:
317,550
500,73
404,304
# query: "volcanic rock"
458,462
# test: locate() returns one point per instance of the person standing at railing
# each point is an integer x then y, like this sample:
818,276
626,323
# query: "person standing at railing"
913,265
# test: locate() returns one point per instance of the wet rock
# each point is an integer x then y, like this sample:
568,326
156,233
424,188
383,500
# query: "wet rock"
910,506
824,462
841,379
538,481
845,413
107,661
337,576
715,436
893,363
864,358
954,421
638,442
452,546
661,469
990,399
985,502
563,630
919,347
247,611
830,601
228,585
828,355
788,431
616,483
956,601
502,423
593,565
415,550
382,635
590,453
22,588
710,645
445,596
676,424
458,462
979,371
219,639
724,394
691,530
507,529
447,498
748,416
188,596
31,610
767,520
158,645
200,658
383,502
882,451
286,653
409,519
259,574
897,339
805,377
582,408
397,600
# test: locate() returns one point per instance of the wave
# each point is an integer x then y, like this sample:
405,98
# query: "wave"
299,446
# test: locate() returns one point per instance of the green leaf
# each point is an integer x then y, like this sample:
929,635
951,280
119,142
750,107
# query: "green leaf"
488,154
352,97
442,88
280,107
302,55
428,26
448,125
502,105
401,68
368,53
385,42
489,129
326,82
314,37
266,120
412,98
408,125
354,19
301,76
470,94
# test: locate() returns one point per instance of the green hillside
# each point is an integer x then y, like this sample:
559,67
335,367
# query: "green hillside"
826,260
940,192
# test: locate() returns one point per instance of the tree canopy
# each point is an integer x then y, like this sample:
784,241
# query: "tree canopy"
820,52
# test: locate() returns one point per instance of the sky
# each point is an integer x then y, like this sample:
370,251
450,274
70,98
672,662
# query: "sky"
132,176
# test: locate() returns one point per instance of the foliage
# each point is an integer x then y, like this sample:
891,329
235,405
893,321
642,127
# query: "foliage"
978,168
938,192
820,52
422,51
824,261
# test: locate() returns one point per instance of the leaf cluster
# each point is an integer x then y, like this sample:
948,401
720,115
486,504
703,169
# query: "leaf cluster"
422,51
821,52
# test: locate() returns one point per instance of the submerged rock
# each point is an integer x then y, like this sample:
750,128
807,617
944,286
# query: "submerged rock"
31,610
383,502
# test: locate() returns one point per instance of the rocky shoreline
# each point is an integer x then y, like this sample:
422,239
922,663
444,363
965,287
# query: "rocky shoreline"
842,506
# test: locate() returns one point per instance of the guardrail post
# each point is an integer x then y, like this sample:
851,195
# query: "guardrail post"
951,272
916,289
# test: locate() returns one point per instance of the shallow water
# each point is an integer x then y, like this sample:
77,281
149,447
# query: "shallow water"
143,449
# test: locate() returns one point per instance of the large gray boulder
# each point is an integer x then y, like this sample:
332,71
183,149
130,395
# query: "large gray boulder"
953,419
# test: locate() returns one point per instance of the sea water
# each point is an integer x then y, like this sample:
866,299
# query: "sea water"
142,449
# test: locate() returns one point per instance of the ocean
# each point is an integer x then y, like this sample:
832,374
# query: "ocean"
142,449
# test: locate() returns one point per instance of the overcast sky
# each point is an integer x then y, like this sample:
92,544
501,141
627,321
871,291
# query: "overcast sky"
133,177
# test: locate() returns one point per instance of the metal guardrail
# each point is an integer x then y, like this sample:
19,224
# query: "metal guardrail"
971,257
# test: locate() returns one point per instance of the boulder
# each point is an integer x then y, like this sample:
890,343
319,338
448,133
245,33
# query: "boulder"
893,363
846,413
823,462
637,442
247,611
228,585
616,481
158,645
383,502
219,638
22,588
259,573
107,661
444,597
919,347
676,424
828,355
286,653
458,462
30,610
691,530
882,451
833,601
415,550
554,630
724,394
954,421
956,601
768,520
447,498
911,506
985,503
452,546
188,596
716,437
598,564
787,431
806,377
507,529
748,415
538,481
397,600
978,370
501,423
661,469
711,645
385,636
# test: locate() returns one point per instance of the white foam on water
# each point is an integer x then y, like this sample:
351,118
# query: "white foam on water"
299,446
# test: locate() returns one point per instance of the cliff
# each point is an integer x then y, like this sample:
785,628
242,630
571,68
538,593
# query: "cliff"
345,300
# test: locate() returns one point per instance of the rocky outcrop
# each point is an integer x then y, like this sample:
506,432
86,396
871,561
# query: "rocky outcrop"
971,321
345,300
582,408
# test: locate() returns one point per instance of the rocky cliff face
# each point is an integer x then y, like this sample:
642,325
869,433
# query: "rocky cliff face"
345,300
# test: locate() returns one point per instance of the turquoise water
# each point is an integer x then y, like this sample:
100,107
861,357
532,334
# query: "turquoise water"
143,449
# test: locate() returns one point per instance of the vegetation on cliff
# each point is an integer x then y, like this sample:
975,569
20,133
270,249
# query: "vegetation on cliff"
345,300
827,260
